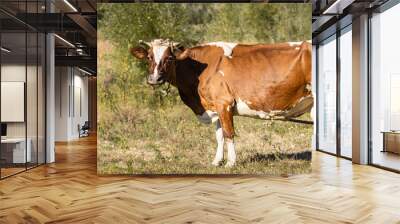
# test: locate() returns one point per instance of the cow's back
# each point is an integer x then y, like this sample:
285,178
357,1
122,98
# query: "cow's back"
243,49
268,79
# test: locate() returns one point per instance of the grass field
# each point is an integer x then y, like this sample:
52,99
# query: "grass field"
170,140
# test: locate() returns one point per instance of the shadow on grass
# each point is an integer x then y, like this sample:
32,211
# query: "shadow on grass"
258,157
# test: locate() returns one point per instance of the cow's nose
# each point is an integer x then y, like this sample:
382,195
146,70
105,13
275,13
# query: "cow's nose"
160,79
150,80
155,80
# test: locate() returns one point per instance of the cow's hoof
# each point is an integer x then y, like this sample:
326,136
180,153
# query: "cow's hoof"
217,162
230,164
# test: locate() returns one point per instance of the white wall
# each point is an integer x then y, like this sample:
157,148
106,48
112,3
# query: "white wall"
62,82
80,94
71,87
33,126
12,73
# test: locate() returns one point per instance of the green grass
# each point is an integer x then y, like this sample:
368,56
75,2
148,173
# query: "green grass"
170,140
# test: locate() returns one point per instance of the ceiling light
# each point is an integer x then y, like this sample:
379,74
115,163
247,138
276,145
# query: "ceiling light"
79,51
65,41
84,71
338,6
70,5
5,50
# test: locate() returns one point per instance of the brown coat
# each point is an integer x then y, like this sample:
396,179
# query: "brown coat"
267,83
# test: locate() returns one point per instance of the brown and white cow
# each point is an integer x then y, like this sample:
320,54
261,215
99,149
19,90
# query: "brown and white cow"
219,80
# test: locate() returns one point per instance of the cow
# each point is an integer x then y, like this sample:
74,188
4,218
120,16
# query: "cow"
218,80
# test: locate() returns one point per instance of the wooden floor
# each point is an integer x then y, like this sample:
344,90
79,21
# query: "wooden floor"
69,191
11,170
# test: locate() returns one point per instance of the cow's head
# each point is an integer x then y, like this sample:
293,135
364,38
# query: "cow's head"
160,57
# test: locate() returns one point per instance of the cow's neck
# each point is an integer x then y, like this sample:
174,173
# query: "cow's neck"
185,76
171,79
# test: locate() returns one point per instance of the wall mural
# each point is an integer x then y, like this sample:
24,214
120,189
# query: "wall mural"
204,88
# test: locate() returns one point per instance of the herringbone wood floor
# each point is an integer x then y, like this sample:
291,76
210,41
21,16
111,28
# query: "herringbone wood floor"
69,191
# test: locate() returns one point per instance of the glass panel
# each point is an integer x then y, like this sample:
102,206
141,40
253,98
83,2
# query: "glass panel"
13,86
22,88
32,87
327,95
31,97
346,92
41,99
385,84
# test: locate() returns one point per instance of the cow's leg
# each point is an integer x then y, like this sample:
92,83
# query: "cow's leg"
219,155
225,113
231,153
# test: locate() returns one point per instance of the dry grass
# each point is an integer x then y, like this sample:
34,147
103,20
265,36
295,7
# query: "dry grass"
170,140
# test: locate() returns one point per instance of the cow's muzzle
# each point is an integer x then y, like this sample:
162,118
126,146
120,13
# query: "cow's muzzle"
158,80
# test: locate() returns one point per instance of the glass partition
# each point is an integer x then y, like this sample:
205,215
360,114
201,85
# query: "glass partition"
32,95
346,92
14,153
22,79
327,95
41,97
385,89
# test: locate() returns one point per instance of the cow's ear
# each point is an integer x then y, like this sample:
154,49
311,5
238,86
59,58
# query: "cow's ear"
182,54
138,52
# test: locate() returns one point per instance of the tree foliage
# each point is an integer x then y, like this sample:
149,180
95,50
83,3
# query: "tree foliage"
125,24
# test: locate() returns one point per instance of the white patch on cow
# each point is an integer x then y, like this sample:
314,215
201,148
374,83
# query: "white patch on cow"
312,113
227,47
219,155
292,44
297,48
158,51
231,153
208,117
243,109
222,73
308,87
